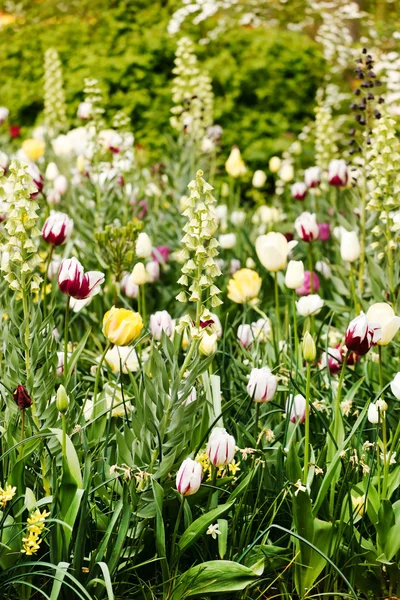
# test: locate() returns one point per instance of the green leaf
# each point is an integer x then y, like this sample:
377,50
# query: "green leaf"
222,537
200,525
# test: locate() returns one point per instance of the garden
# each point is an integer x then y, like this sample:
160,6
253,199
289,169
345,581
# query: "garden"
200,311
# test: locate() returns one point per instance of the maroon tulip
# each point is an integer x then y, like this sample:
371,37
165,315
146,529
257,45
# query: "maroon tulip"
332,359
57,229
73,281
15,131
160,254
324,231
22,398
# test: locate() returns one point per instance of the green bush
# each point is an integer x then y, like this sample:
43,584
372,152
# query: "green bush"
264,81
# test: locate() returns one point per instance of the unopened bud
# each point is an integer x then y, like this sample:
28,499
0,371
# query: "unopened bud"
309,349
62,400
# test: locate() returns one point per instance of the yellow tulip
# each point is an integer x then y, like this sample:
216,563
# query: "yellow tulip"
235,166
33,149
121,326
244,286
359,504
384,315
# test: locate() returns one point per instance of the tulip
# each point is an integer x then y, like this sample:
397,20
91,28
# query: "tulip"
234,265
322,267
286,172
274,164
383,314
373,414
73,281
33,149
161,322
338,173
349,246
305,289
299,190
122,356
235,166
294,277
188,399
143,245
208,343
21,398
215,325
244,286
160,254
60,184
359,504
52,171
332,359
324,231
189,476
37,178
221,213
153,270
130,289
395,386
309,305
307,227
238,217
296,407
245,335
309,349
4,112
121,326
227,241
262,384
57,229
114,398
261,329
312,177
259,179
221,447
139,274
85,111
272,250
362,334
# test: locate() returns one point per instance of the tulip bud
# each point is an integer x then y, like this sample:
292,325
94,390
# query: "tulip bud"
238,217
159,322
227,241
373,414
359,504
52,171
57,229
361,335
245,335
312,177
262,385
143,245
153,270
121,326
294,277
221,447
235,166
309,349
208,344
85,111
349,246
139,274
296,408
338,173
382,314
286,172
395,386
189,476
309,305
274,164
60,184
259,179
130,289
62,401
299,190
324,231
307,227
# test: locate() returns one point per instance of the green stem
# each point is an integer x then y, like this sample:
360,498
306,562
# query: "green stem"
64,435
192,348
336,421
143,291
390,257
98,374
307,424
45,280
176,527
256,421
296,333
66,322
213,485
311,267
276,291
353,288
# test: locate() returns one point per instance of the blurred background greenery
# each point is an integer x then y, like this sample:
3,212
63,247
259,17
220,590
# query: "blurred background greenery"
264,82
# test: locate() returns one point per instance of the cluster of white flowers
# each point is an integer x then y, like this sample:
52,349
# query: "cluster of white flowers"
383,166
334,33
200,9
325,136
55,114
200,247
388,68
94,100
19,253
191,93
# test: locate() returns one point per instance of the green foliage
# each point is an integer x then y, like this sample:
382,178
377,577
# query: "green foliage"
264,84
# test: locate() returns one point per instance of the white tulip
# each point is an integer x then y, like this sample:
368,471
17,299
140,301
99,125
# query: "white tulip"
349,246
143,245
383,313
395,386
259,179
309,305
227,241
272,250
294,277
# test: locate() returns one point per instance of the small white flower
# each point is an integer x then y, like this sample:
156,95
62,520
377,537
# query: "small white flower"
213,530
